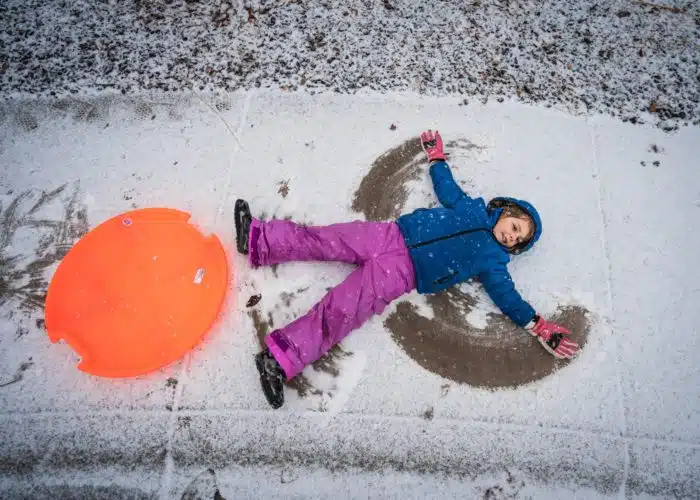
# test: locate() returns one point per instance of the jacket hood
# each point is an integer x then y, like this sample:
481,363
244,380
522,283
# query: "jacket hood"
497,205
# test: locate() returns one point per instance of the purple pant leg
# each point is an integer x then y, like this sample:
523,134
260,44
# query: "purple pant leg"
277,241
384,276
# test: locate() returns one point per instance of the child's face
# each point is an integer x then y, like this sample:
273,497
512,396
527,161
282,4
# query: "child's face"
510,231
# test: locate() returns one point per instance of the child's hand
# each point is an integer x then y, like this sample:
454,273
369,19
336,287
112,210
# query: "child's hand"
554,339
431,142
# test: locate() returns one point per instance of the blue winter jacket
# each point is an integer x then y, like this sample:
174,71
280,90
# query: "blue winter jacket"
454,243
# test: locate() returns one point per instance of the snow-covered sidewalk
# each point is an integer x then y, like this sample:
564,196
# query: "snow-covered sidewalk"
439,397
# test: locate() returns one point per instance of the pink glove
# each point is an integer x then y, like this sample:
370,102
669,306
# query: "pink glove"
431,142
553,338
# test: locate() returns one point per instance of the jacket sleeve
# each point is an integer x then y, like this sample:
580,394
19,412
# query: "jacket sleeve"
446,189
500,287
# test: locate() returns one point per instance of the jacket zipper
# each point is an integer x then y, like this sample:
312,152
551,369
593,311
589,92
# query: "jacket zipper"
441,238
445,279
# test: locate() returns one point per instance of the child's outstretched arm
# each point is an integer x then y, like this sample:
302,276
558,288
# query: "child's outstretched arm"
446,189
500,287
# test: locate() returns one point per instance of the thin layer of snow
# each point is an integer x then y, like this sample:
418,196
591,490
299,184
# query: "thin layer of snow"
619,239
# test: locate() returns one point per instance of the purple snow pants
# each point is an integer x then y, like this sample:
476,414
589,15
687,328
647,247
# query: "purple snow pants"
385,273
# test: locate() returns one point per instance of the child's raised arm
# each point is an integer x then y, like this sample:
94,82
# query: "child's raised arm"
446,189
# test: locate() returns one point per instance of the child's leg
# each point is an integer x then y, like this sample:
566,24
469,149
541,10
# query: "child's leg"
277,241
365,292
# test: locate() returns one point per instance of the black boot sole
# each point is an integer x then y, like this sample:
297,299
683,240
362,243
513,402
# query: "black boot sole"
242,219
272,384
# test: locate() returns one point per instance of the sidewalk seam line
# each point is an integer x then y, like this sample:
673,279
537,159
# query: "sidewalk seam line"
593,133
166,480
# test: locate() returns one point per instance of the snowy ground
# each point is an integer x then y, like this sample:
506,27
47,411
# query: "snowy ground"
377,418
619,57
311,110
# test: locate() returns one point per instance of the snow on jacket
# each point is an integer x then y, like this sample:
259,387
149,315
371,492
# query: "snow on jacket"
454,243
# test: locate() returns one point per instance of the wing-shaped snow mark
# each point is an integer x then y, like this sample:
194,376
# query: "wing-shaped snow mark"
497,356
464,340
383,192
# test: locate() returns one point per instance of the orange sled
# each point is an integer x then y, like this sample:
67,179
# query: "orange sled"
137,292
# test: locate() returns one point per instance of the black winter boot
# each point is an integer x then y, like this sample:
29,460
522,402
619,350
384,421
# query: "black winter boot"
242,218
272,378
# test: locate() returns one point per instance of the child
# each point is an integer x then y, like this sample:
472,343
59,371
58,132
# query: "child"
429,249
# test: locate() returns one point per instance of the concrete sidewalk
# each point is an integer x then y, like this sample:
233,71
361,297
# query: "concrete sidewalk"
473,409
